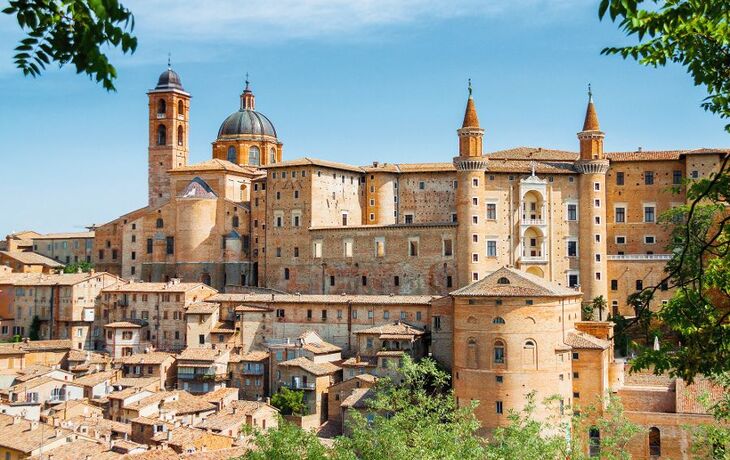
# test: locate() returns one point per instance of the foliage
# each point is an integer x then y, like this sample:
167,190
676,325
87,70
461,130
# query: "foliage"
586,311
692,33
418,418
527,437
616,431
74,267
289,402
713,440
287,442
35,328
72,31
696,35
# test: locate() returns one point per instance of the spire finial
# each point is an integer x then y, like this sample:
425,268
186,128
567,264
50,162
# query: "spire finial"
247,82
533,165
470,87
590,93
169,60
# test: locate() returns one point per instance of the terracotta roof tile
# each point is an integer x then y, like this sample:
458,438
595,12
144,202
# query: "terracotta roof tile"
310,366
585,341
201,308
153,357
520,284
31,258
121,325
324,299
143,286
64,236
395,328
306,161
359,398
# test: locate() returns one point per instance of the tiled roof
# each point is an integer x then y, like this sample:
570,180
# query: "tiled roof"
46,345
199,354
153,357
96,378
393,353
359,361
358,398
396,328
324,299
310,366
585,341
31,258
227,418
143,286
306,161
201,308
255,356
531,153
521,284
252,309
125,393
154,398
22,437
215,164
524,167
65,279
64,236
321,347
223,327
659,155
249,407
137,382
121,325
215,396
71,451
188,404
181,436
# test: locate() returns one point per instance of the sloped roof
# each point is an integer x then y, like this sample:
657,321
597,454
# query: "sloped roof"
583,340
358,398
143,286
153,357
323,299
215,164
521,284
64,236
306,161
395,328
63,279
201,308
662,155
121,325
31,258
310,366
95,378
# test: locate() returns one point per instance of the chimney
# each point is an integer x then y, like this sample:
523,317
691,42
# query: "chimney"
375,164
638,149
169,435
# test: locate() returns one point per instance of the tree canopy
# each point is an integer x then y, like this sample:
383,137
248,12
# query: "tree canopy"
72,32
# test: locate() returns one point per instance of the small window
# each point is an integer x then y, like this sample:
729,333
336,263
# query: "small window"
498,320
649,239
499,352
614,285
655,442
639,285
648,177
649,214
620,214
503,280
677,177
499,407
620,240
619,178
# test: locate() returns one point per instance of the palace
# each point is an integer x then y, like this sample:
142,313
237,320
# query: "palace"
245,218
251,272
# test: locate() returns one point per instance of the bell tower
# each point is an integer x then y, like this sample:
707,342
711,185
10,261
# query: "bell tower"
169,109
470,165
592,167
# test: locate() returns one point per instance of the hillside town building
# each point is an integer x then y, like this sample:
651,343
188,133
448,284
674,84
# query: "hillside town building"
248,273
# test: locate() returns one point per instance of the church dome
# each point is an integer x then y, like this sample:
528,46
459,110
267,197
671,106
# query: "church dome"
169,79
247,120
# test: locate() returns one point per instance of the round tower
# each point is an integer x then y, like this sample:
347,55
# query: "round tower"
470,165
169,107
592,167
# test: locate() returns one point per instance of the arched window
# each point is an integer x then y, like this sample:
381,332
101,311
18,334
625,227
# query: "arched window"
160,223
179,135
503,280
655,442
272,155
594,442
235,222
498,320
180,108
232,155
529,355
161,107
471,357
161,135
254,156
499,354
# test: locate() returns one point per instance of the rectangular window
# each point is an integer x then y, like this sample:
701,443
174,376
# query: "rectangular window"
597,186
475,201
572,212
619,178
421,185
324,315
572,248
649,216
648,177
436,323
379,247
413,247
677,177
170,245
620,215
614,285
364,280
448,248
317,249
396,280
348,248
408,218
475,182
620,240
449,281
491,248
598,238
639,285
597,203
649,239
296,251
475,257
332,280
499,408
491,211
573,280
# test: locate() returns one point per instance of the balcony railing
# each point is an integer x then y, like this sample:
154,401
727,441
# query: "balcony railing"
298,385
639,256
533,221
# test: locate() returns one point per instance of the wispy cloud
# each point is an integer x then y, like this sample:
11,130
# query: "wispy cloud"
264,21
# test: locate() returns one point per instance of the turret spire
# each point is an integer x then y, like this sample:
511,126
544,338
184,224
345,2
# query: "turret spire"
248,101
591,121
471,120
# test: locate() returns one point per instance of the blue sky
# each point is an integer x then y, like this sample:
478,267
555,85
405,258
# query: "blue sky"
346,81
